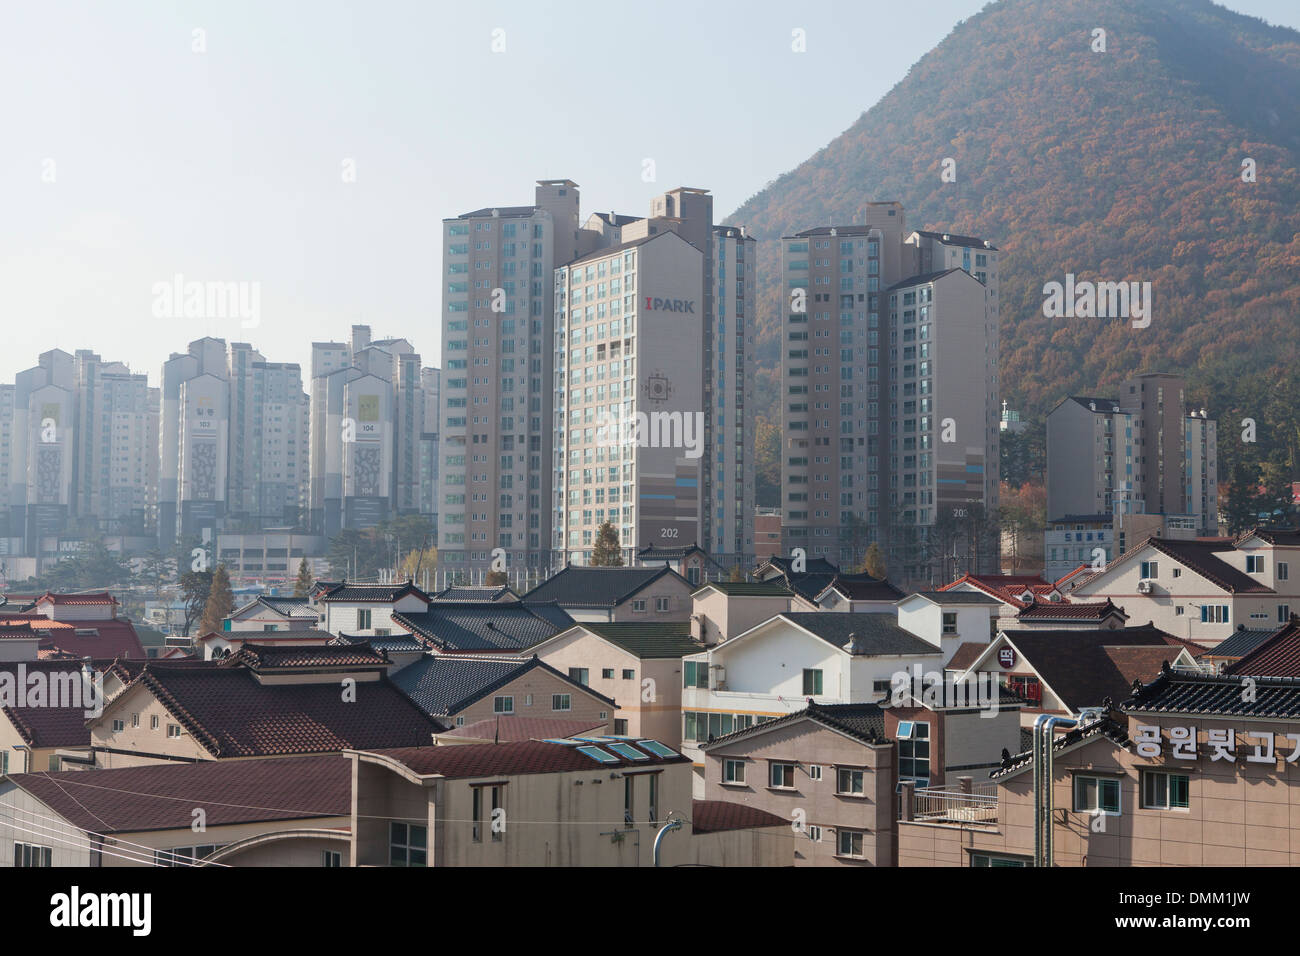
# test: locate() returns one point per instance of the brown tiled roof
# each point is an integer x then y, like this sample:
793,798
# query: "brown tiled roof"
524,757
48,726
714,816
510,729
114,638
100,598
230,713
966,655
1279,656
165,796
263,657
1059,610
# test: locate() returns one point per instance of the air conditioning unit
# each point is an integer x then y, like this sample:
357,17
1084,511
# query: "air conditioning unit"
1144,587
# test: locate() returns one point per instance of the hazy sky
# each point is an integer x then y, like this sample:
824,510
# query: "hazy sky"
228,165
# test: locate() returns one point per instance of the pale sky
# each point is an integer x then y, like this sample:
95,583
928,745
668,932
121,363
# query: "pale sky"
130,158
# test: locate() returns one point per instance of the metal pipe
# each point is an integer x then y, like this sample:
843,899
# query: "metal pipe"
1044,731
670,825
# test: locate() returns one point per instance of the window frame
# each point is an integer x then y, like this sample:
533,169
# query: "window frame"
1099,809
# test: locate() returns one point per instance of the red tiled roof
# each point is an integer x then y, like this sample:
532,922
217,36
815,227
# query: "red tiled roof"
230,713
512,759
102,597
511,729
1279,656
1005,587
165,796
111,638
714,816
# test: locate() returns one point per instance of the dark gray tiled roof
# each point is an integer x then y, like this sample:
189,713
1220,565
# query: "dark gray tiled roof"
1105,727
666,640
461,592
379,593
489,626
597,587
871,633
865,722
445,685
1274,698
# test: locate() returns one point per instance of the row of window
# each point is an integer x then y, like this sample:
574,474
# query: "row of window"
1160,791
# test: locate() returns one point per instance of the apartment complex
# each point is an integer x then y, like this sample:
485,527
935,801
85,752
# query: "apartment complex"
877,322
1142,463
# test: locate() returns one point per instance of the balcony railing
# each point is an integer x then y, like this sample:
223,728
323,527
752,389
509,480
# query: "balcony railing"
944,805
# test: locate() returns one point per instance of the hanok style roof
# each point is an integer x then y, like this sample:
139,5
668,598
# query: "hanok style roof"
586,587
654,553
306,635
1065,611
1106,728
443,684
508,729
1278,656
230,713
376,593
863,722
648,641
747,588
524,757
716,816
288,606
1242,641
165,796
863,587
401,643
1204,695
1007,588
263,657
1281,537
510,626
475,593
97,598
861,633
45,726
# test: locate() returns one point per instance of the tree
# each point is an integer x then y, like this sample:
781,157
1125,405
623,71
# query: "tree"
94,566
607,552
737,575
221,601
302,586
196,586
874,561
1023,512
156,570
418,563
496,579
767,463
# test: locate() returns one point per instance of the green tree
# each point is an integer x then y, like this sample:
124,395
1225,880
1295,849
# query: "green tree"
221,601
767,463
302,586
607,552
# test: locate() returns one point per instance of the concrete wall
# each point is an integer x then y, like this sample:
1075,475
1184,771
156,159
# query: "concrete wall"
541,685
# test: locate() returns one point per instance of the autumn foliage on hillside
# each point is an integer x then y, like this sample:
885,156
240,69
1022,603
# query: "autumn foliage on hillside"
1122,165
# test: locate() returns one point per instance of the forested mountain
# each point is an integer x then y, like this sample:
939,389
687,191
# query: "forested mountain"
1118,165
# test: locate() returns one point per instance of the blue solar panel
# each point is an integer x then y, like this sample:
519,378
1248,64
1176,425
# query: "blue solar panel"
655,747
595,753
628,751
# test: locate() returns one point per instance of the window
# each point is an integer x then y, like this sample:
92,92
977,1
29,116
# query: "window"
579,674
363,619
1214,614
1150,569
1164,791
56,763
331,858
661,604
733,771
653,780
812,682
849,843
629,674
814,771
607,673
638,606
135,720
695,674
1096,795
495,802
950,622
1283,570
620,727
119,725
914,752
560,702
503,705
781,776
992,859
1254,564
153,722
1027,688
407,844
27,854
629,800
849,782
173,730
815,834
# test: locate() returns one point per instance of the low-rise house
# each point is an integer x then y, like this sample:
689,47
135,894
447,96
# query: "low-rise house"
594,802
459,690
262,702
1057,615
368,609
1069,671
859,594
475,593
287,811
216,645
639,666
950,618
1234,648
1016,592
511,729
617,594
268,613
723,609
78,625
45,729
506,627
1277,656
690,561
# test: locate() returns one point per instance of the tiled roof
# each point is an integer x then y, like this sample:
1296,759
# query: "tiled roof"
390,643
871,634
463,592
597,587
165,796
508,729
447,684
1007,588
97,639
230,713
378,593
864,722
1201,557
523,757
1242,641
261,657
510,626
1061,610
1278,656
966,655
958,597
43,726
715,816
307,635
1106,728
747,588
863,587
1274,698
648,641
1284,537
811,565
99,598
652,553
